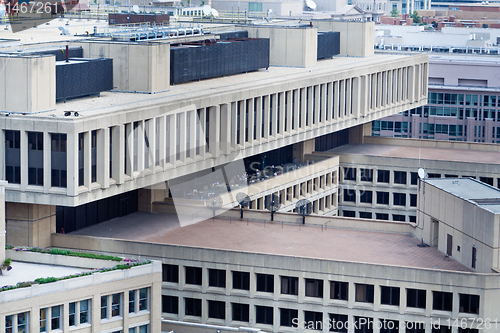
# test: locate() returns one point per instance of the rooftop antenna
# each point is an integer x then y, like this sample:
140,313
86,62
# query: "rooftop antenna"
273,205
214,204
243,200
135,9
303,207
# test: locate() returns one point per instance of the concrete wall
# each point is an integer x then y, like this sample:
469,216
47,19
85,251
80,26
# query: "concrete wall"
356,38
29,224
289,46
143,67
432,143
2,221
279,8
330,5
27,84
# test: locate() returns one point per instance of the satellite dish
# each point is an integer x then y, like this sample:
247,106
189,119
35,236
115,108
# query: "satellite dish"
303,207
244,200
207,10
311,4
214,203
214,12
273,205
135,9
421,173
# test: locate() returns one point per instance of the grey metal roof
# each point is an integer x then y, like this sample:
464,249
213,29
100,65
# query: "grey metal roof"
473,190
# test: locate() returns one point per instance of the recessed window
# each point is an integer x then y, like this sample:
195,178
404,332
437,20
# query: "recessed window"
78,313
289,285
339,290
264,315
383,198
441,329
383,176
366,175
442,301
348,213
287,317
170,273
415,298
340,323
389,295
55,317
415,327
170,304
240,312
364,293
400,177
389,326
365,215
399,199
382,216
349,195
241,280
193,275
192,307
397,217
469,303
414,178
363,325
314,320
265,283
314,288
413,200
216,310
366,197
111,306
217,278
349,173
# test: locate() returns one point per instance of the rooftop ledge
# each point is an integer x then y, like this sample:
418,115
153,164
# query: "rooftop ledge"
28,266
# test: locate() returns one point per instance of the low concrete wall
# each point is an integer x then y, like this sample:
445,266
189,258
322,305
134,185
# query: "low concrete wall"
431,143
58,260
185,327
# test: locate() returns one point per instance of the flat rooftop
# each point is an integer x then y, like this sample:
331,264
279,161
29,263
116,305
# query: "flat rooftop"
26,271
473,190
424,153
268,238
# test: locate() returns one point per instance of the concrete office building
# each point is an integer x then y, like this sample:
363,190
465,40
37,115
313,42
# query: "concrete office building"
378,178
462,105
123,143
111,301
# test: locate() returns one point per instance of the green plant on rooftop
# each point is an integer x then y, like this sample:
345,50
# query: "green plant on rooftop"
64,252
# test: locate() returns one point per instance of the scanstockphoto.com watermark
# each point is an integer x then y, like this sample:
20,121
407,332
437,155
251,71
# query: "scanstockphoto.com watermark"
357,323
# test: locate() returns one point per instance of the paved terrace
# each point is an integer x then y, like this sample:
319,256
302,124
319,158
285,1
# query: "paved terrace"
290,240
435,154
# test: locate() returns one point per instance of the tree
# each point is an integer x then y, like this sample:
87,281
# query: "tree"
434,24
202,3
415,17
394,12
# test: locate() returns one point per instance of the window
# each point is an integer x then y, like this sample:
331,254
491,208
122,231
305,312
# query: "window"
13,157
170,273
55,318
397,217
78,313
289,285
364,293
264,315
434,175
116,305
413,200
143,299
72,314
43,320
93,156
9,324
416,327
382,216
255,6
339,323
383,198
170,304
265,283
22,322
365,215
313,320
441,329
449,244
349,195
131,301
217,278
241,280
348,213
81,157
487,180
415,298
468,330
413,178
35,158
442,301
383,176
314,288
474,257
84,311
240,312
216,310
400,177
287,317
469,303
363,325
193,275
192,307
389,326
366,197
366,175
349,173
389,295
399,199
140,329
113,309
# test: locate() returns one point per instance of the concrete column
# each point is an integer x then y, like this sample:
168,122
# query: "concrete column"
288,112
46,162
141,145
355,97
29,224
329,102
87,160
103,157
342,106
242,120
303,107
317,104
118,133
225,129
234,124
401,87
274,115
383,101
258,120
282,111
373,91
336,100
130,147
200,132
390,88
309,107
324,111
411,83
162,140
250,104
182,140
295,111
214,133
348,90
266,116
71,163
152,143
379,90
